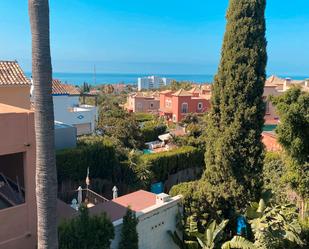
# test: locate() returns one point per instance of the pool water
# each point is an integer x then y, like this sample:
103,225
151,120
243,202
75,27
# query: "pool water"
269,127
147,151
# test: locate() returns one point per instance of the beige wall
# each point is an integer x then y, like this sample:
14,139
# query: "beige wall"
18,223
18,96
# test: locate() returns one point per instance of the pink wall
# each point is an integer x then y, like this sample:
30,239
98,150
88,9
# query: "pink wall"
18,223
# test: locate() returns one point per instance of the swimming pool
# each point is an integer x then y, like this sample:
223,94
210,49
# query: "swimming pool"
147,151
268,127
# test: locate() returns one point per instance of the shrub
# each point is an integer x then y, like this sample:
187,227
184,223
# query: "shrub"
143,117
165,163
95,152
151,130
94,232
129,235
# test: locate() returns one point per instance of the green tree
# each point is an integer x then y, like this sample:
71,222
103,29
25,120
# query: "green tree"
293,134
234,155
273,177
46,175
129,235
274,227
84,231
212,236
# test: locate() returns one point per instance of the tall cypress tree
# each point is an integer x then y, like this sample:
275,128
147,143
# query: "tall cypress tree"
129,235
234,154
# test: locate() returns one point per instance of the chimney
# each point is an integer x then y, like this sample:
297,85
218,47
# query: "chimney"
287,81
115,192
162,198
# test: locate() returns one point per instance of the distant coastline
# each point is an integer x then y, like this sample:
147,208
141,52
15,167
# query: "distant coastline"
114,78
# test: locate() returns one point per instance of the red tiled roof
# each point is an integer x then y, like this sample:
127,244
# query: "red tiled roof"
116,209
12,74
182,93
138,200
60,88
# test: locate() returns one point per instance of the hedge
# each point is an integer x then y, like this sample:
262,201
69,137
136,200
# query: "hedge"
97,153
143,117
151,130
165,163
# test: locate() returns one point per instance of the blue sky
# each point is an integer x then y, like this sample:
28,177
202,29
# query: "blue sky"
151,36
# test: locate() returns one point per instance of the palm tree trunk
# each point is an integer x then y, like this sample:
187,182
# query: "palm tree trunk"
46,176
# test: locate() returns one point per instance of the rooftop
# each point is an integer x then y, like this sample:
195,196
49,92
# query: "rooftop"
182,93
12,74
64,89
5,109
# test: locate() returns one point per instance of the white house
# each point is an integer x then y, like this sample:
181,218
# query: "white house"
157,214
152,82
68,110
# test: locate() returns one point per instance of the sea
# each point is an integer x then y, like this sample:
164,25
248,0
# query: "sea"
115,78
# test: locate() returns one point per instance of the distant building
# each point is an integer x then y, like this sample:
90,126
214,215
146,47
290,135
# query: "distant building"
14,85
143,102
156,215
175,106
276,86
152,82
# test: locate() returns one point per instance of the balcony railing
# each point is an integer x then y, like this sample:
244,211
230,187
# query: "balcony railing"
88,197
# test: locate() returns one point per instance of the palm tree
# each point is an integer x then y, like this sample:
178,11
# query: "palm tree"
239,243
46,177
213,234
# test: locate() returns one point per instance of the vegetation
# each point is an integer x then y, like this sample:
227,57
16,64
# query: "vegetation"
143,117
196,132
177,85
152,129
273,177
234,155
166,163
97,153
293,133
84,231
129,236
121,126
274,227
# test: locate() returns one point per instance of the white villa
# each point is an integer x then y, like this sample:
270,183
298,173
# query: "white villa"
68,110
156,214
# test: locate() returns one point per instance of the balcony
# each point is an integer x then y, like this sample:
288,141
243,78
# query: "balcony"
83,196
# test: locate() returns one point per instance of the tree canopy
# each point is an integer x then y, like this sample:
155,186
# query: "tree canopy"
129,236
234,155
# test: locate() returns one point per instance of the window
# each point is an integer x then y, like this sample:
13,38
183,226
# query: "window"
139,106
267,107
184,108
12,188
200,106
168,103
151,105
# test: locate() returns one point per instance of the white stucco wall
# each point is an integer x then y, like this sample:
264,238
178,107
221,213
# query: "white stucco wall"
80,115
153,225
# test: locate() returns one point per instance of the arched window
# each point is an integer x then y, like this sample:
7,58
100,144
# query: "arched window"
200,106
184,108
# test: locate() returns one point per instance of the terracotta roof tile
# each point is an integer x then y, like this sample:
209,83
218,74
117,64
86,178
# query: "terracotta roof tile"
65,89
182,93
12,74
116,209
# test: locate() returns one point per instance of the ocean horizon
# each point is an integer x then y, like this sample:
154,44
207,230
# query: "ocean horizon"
130,78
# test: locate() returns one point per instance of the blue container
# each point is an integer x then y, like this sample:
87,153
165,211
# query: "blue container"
157,188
